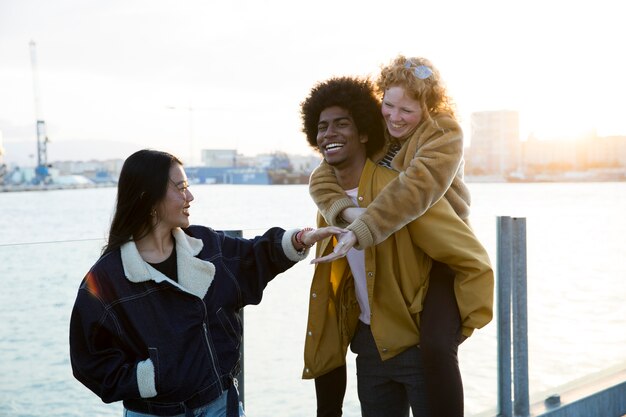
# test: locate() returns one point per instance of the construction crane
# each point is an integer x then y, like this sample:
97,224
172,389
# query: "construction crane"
41,171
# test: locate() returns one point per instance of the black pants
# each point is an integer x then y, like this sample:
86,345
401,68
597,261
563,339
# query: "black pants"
440,334
388,388
330,389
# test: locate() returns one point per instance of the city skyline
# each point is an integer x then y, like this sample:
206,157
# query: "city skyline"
200,75
493,133
24,154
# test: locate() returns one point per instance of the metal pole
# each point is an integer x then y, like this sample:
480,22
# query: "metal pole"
240,376
504,266
521,404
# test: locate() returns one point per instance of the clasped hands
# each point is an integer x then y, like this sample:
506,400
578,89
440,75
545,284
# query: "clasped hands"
345,240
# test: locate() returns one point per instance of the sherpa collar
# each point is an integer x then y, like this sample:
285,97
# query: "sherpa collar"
194,275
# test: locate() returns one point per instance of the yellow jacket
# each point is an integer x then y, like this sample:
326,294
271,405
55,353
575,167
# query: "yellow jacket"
397,273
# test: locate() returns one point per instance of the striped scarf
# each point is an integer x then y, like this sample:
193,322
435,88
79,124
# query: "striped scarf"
391,152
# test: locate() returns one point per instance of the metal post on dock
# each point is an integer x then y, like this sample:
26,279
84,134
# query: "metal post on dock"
240,376
513,396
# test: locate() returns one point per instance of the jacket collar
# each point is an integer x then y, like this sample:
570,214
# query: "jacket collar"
194,275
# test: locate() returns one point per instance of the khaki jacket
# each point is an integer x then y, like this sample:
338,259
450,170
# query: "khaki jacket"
430,163
397,273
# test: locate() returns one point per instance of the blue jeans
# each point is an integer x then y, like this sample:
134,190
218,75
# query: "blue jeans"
388,388
216,408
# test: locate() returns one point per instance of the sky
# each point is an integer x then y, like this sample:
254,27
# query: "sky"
185,75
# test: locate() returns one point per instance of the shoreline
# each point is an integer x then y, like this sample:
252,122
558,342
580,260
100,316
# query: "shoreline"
50,187
468,179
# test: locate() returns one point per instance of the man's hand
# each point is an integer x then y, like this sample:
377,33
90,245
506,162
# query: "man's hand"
346,241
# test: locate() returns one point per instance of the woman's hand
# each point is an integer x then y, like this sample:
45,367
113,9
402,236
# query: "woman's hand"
347,240
311,237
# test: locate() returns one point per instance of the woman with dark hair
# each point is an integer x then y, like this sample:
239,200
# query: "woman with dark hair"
155,323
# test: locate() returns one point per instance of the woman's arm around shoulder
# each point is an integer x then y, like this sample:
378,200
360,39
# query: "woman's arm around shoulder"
430,160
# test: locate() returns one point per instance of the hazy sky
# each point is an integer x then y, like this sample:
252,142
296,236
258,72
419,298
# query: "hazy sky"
110,70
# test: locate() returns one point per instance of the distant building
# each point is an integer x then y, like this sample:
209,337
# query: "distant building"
219,158
226,166
542,155
495,143
98,172
584,154
608,151
305,163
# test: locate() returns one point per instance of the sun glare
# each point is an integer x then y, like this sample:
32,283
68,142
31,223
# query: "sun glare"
572,119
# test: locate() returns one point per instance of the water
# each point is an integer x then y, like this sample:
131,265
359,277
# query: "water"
576,290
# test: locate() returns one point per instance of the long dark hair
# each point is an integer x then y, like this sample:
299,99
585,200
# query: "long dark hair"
142,185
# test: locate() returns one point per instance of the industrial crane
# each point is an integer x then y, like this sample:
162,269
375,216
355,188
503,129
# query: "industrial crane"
41,171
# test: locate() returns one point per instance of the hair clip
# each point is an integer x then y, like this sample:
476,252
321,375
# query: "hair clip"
421,71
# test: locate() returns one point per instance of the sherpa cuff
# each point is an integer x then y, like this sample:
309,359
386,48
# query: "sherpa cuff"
288,248
145,379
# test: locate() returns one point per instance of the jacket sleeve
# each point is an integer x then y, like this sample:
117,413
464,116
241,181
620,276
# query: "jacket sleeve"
329,197
98,358
429,169
255,262
443,236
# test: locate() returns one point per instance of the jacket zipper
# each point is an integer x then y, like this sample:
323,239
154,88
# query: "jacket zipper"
208,343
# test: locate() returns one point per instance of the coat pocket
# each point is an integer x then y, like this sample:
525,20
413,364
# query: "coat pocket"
417,305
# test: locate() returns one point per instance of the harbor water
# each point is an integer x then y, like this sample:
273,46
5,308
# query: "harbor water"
576,291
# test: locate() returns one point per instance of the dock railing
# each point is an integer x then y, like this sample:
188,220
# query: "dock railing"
602,395
240,376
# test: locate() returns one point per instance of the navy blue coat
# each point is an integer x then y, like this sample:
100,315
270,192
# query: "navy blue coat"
137,336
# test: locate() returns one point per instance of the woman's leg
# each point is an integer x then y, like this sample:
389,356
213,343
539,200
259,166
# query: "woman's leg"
440,334
330,390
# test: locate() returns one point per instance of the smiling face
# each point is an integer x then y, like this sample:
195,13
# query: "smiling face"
338,138
402,113
173,210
